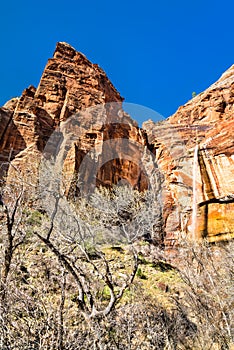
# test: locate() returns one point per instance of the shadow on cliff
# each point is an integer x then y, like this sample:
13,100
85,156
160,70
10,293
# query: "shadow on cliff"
11,143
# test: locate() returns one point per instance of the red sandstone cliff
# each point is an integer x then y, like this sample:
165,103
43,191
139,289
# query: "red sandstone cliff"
75,99
204,178
70,84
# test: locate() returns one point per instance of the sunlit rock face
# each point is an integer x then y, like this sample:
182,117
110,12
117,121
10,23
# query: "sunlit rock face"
76,102
203,183
71,87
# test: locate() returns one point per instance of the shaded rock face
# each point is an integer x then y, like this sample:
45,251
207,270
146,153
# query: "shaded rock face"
76,102
195,150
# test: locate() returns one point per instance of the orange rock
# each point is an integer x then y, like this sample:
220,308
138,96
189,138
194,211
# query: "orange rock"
208,121
76,102
73,87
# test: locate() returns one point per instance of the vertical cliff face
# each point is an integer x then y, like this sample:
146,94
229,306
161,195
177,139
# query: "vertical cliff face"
208,122
77,106
70,82
71,87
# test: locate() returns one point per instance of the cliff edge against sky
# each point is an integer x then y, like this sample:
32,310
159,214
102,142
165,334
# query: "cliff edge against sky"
193,149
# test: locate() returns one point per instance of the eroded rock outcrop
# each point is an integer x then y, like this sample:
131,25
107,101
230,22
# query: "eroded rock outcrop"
72,87
203,179
76,102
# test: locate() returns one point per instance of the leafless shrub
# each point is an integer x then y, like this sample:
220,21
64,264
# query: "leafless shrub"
207,271
67,277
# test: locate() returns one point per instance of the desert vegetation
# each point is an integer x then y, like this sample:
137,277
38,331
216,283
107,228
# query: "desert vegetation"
93,275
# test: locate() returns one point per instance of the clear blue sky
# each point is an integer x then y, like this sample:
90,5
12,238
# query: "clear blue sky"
156,53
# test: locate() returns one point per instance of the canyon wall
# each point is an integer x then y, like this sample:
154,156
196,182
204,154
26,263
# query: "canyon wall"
76,105
195,150
71,87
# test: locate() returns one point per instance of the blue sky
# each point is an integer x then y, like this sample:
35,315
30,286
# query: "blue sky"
156,53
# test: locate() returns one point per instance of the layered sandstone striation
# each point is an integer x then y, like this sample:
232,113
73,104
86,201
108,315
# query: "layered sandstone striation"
199,198
76,109
72,90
